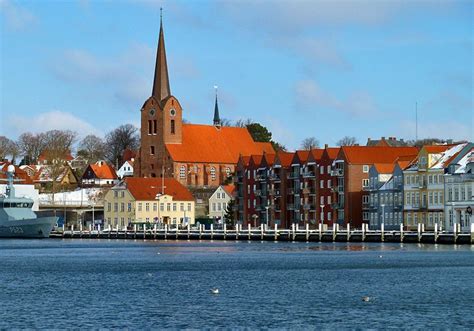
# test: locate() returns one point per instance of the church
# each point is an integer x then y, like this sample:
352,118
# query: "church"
198,156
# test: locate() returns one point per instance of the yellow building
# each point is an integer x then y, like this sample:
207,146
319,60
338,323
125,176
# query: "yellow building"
424,186
143,200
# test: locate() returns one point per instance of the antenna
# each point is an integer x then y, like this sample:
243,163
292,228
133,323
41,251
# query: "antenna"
416,121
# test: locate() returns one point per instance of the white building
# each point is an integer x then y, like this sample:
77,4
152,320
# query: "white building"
126,170
458,192
219,200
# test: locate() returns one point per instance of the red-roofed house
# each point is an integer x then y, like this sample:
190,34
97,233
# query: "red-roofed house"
195,155
99,174
148,201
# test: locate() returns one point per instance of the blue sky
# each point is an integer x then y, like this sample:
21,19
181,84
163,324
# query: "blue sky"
302,68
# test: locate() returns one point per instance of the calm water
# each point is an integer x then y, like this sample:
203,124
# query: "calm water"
136,284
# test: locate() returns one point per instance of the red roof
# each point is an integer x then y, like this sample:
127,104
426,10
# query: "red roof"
436,149
375,154
302,155
147,188
332,152
285,158
44,155
270,159
317,153
19,174
206,143
229,188
128,155
384,168
102,170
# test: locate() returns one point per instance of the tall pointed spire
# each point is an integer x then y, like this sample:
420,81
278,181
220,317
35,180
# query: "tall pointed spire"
161,83
217,120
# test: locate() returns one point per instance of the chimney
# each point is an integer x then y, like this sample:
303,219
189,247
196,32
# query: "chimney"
383,138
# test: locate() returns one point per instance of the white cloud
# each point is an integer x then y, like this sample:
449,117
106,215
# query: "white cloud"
52,120
358,103
16,17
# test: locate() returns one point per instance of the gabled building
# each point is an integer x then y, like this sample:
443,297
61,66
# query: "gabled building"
148,201
458,191
126,170
351,168
424,185
99,174
44,176
219,200
200,156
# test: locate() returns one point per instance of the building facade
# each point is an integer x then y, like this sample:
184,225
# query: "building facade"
219,201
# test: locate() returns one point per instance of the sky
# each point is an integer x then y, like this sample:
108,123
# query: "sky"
323,69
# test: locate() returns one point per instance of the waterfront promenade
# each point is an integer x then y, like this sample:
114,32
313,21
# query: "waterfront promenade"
335,234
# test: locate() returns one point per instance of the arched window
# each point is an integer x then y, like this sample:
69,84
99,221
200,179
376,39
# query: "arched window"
182,172
227,171
213,173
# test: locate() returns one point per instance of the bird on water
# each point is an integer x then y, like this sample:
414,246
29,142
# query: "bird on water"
214,290
366,299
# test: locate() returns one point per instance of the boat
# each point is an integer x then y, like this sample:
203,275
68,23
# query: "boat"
17,219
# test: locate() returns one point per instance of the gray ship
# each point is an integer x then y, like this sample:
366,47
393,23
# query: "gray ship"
17,219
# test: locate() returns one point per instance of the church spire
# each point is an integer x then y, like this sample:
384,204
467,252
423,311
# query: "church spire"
217,120
161,83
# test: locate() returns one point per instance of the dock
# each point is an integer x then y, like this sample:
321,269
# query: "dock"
264,233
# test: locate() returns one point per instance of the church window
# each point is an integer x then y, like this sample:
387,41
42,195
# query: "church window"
182,172
213,173
154,126
172,127
152,150
227,171
149,126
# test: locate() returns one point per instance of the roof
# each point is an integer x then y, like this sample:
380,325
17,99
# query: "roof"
256,159
375,154
448,156
465,160
384,168
436,149
103,170
44,156
147,188
332,152
128,154
19,174
303,155
229,188
317,153
285,158
209,144
270,159
390,141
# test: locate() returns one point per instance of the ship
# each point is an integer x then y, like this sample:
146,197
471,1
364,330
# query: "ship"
17,219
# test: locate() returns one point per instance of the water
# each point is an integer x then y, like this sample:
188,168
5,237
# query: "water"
166,284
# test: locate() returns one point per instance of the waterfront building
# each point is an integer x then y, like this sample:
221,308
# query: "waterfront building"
148,201
458,192
351,167
424,185
198,156
219,201
326,186
99,174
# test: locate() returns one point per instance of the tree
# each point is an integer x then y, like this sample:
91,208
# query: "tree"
347,141
309,143
243,123
8,147
92,148
31,145
229,213
278,147
119,139
226,122
259,132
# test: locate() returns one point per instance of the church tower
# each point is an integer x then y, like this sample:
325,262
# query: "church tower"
217,119
161,119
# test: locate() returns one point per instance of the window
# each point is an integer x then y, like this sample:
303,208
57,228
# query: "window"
365,168
321,184
365,199
214,206
189,206
328,169
115,194
152,150
168,206
147,206
182,172
329,215
154,126
365,183
162,206
329,183
213,173
174,206
172,127
139,206
321,170
181,206
329,200
155,206
109,206
129,207
227,171
149,127
365,216
219,206
122,207
321,200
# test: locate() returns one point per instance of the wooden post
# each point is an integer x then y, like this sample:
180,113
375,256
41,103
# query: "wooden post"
248,227
189,231
455,232
276,232
212,231
144,231
320,231
401,232
436,233
225,231
261,231
334,231
134,230
166,231
293,234
63,227
348,235
154,231
307,232
363,231
200,231
419,232
80,229
176,233
472,232
237,226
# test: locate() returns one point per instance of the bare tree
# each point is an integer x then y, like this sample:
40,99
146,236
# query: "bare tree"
309,143
119,139
58,144
347,141
8,148
31,145
226,122
243,123
93,148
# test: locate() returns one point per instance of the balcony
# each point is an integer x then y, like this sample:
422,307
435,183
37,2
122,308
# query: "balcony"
309,174
308,206
261,178
293,175
337,172
274,177
366,188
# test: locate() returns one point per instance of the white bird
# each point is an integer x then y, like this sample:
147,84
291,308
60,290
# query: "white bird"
366,299
214,290
380,256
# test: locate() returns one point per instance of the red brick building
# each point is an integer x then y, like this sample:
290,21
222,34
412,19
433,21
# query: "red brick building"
196,155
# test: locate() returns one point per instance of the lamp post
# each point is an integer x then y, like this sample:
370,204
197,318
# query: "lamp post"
321,216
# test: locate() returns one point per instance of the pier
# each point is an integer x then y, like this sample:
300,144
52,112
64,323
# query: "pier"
263,233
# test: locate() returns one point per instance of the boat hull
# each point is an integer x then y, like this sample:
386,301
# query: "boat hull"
29,228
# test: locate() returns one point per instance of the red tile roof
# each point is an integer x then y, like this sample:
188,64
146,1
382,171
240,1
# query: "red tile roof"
270,159
302,156
333,151
103,170
375,154
44,155
285,158
148,188
229,188
20,174
436,149
384,168
317,153
206,143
